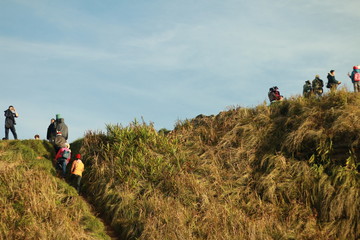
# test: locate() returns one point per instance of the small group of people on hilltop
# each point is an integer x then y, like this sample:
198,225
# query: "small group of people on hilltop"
316,86
57,134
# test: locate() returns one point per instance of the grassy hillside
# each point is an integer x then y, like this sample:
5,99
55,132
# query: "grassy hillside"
288,171
36,205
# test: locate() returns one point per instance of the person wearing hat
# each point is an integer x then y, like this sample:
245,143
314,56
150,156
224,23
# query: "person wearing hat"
307,89
317,86
332,82
10,115
77,168
355,78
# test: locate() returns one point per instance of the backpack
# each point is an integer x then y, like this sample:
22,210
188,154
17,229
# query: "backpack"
356,77
65,154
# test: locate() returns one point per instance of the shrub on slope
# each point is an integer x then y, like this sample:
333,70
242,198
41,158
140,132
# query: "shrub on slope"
36,205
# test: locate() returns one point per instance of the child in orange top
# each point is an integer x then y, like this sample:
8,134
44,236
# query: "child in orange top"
77,169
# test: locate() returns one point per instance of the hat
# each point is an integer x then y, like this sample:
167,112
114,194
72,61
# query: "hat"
78,156
332,71
356,67
317,76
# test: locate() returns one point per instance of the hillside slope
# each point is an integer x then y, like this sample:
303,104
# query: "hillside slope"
34,203
288,171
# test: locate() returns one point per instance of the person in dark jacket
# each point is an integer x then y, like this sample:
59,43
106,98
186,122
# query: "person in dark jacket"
61,127
10,115
51,131
317,85
332,82
307,89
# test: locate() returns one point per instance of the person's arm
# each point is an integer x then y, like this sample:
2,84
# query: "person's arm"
58,154
73,166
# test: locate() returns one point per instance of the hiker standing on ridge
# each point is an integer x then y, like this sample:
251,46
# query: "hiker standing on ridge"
10,115
317,85
62,158
307,89
51,131
77,168
355,78
61,127
332,82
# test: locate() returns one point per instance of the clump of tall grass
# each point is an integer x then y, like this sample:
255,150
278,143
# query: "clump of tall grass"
35,204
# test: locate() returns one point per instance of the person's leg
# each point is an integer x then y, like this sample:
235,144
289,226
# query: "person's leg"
64,169
6,133
13,131
357,86
78,183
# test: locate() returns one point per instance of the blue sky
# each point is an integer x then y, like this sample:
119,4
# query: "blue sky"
101,62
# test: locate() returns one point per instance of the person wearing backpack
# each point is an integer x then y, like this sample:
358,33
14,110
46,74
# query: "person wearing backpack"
63,128
355,78
10,115
62,158
77,168
307,89
332,82
317,85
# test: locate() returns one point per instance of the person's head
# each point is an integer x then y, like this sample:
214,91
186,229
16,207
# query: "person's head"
78,156
275,88
11,108
356,67
37,137
52,120
317,76
307,81
332,72
67,145
271,89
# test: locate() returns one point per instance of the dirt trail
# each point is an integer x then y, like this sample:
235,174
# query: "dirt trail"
109,230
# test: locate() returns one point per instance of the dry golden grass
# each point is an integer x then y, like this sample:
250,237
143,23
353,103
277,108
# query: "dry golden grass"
36,205
286,171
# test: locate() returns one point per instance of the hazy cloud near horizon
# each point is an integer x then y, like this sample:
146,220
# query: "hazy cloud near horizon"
110,62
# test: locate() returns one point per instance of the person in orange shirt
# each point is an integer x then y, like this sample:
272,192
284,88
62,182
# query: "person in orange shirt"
77,168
